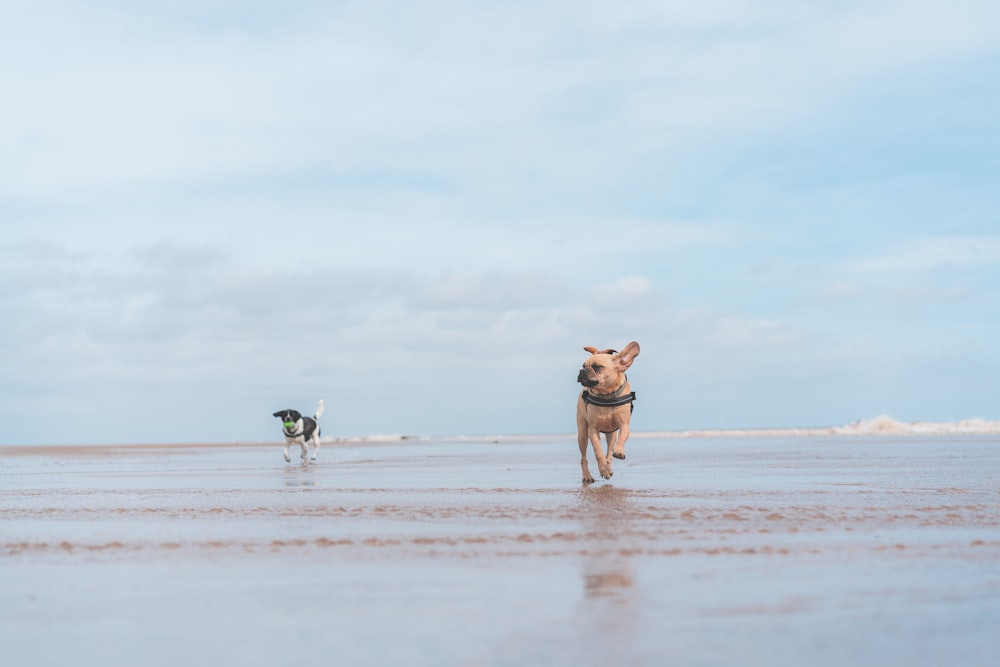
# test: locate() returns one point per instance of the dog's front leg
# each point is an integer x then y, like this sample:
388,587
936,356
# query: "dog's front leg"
612,440
602,461
581,437
288,459
619,449
305,451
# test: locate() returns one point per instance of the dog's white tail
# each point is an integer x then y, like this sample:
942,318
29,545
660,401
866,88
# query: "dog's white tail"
319,409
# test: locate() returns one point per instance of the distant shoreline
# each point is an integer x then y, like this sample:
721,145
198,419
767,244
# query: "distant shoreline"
880,426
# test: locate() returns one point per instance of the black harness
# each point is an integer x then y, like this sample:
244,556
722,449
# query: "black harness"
612,400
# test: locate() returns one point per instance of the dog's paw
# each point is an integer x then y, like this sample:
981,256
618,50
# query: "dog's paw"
619,455
288,459
588,480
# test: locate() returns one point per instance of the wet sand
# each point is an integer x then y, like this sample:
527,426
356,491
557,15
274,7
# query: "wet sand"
701,551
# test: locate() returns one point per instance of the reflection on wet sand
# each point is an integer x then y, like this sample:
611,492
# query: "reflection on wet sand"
298,476
605,514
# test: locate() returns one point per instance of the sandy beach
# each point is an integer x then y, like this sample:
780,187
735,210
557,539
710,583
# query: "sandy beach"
754,550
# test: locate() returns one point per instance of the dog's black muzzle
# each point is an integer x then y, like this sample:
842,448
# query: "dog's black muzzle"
584,379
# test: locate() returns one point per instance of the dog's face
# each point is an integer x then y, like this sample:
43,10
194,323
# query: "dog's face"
289,418
605,369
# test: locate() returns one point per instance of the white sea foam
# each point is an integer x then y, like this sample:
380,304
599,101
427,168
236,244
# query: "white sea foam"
881,425
378,438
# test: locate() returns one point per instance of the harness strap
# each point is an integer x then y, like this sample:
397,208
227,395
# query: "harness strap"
612,402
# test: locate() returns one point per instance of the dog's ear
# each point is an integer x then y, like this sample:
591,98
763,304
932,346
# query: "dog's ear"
594,350
277,414
625,358
588,348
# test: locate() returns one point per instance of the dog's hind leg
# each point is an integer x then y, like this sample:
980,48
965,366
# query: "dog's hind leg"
315,442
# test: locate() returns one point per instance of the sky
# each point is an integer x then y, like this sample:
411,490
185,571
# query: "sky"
421,213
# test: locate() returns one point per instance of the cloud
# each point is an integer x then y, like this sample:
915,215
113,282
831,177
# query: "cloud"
195,320
480,98
487,291
624,294
840,291
845,292
751,335
177,256
929,254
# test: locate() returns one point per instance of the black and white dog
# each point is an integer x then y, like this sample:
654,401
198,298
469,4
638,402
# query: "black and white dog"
300,430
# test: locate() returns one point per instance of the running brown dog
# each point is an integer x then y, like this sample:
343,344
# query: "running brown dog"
604,406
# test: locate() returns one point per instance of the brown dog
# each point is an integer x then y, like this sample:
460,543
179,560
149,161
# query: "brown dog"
604,406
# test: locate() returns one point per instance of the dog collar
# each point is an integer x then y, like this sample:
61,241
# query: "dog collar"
293,435
612,400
